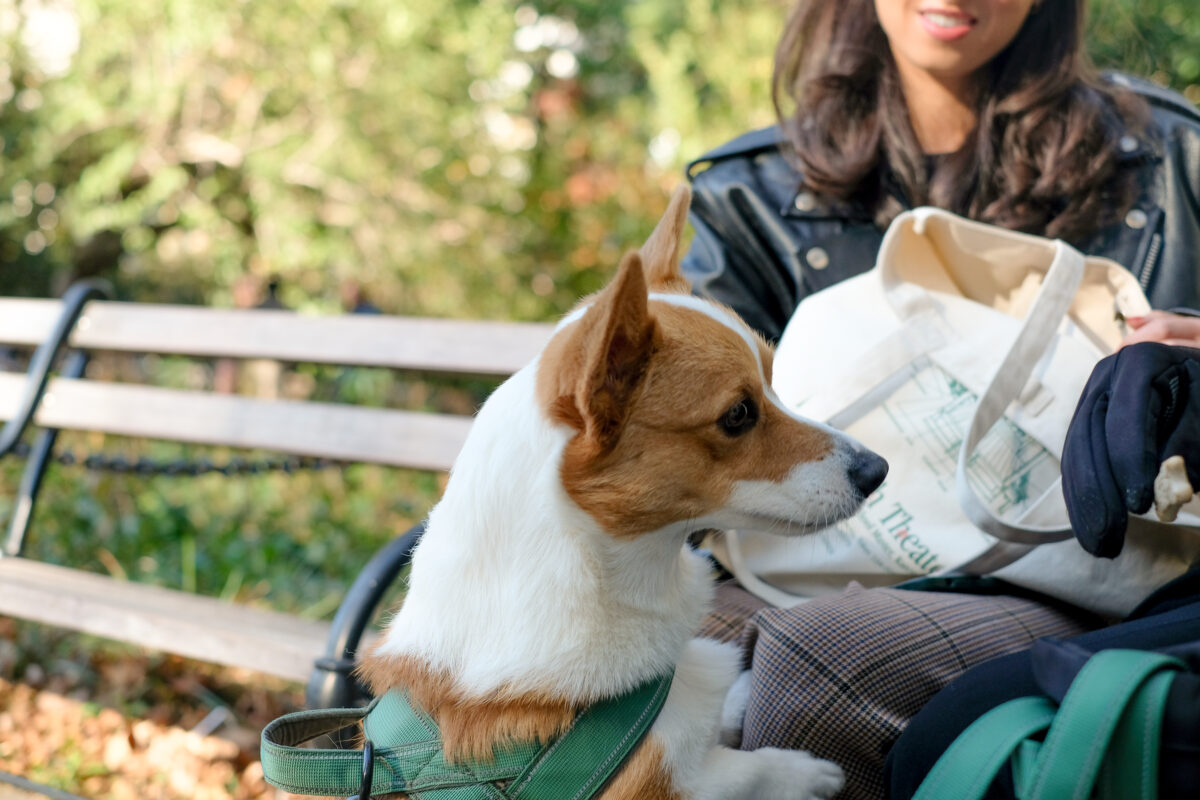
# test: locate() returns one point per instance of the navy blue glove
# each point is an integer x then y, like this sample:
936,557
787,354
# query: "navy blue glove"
1140,407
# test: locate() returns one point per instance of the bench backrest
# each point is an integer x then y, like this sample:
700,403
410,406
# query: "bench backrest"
323,430
204,627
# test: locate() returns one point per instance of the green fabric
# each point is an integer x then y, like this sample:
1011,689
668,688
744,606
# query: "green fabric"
612,731
409,758
1130,772
1104,737
970,763
1070,758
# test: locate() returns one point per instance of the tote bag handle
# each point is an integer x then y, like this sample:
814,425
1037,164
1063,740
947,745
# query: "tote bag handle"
1037,333
1034,338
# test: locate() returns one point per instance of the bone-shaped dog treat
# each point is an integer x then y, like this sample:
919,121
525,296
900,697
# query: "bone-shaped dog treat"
1171,489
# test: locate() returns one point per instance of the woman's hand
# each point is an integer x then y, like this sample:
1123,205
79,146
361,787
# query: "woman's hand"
1164,327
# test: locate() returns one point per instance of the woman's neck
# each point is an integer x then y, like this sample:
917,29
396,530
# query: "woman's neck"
942,111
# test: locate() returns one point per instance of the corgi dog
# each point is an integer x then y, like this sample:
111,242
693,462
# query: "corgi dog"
556,571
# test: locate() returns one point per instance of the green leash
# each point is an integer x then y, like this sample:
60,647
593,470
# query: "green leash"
403,753
1102,742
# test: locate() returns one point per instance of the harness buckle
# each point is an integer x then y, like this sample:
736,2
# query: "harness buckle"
368,772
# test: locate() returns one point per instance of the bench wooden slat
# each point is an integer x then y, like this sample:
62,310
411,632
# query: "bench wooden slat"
439,345
202,628
323,430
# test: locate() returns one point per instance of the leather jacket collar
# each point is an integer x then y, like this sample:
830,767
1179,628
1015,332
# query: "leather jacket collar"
762,243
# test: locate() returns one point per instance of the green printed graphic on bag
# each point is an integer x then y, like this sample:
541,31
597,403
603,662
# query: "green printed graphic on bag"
930,411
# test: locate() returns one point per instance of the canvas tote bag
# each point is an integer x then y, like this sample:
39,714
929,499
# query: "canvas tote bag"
960,358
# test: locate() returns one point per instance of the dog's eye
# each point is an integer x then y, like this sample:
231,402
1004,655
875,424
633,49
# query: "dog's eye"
740,417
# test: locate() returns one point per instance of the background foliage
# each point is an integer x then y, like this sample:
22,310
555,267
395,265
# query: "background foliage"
470,158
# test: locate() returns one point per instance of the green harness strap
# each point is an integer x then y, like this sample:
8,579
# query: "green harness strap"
1102,742
407,753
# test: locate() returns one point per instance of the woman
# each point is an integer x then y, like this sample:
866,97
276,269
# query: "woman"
986,108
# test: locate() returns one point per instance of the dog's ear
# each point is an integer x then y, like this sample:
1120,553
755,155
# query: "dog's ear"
619,335
660,253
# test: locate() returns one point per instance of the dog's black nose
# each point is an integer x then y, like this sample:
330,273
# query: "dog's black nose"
867,471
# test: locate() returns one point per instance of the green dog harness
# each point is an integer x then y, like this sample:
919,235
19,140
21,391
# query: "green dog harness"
403,753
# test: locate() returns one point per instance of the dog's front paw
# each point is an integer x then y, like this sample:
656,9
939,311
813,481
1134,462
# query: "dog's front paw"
801,775
826,778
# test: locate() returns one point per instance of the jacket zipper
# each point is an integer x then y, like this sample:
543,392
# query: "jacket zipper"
1151,261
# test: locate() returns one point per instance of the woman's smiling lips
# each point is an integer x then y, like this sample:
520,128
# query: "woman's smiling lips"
946,24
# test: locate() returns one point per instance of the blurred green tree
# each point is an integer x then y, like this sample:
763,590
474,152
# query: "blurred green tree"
462,159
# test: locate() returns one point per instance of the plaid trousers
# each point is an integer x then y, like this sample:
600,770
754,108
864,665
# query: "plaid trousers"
841,675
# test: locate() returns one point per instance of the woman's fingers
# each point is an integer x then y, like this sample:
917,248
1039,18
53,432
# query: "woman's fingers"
1137,322
1164,327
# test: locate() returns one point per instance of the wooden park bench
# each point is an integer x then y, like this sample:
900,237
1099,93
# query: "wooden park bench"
191,625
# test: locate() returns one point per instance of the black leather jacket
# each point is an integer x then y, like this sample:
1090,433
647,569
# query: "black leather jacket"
761,245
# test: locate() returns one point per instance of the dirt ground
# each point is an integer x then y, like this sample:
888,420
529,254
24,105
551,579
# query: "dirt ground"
101,753
119,724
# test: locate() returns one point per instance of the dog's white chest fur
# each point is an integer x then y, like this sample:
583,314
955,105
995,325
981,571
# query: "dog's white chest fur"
515,588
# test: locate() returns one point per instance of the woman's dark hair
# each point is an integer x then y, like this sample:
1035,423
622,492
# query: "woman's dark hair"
1043,157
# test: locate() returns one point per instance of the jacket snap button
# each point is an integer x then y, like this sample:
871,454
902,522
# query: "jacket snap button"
1128,144
1136,219
805,201
817,258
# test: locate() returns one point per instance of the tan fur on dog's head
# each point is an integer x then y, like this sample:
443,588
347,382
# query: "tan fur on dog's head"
651,388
